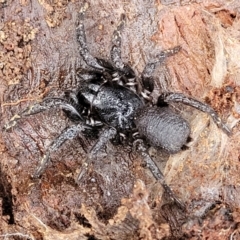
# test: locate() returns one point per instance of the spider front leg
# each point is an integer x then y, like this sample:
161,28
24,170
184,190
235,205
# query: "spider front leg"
46,104
125,72
81,38
68,134
166,98
116,53
107,134
116,42
147,74
140,147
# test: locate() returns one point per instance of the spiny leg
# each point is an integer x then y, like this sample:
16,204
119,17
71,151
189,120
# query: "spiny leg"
146,77
86,75
116,55
67,134
179,97
140,146
107,134
161,57
81,38
46,104
116,42
72,98
74,101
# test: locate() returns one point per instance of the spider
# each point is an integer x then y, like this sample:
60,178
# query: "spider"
112,101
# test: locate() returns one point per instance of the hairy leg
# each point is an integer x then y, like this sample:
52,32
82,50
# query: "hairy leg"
67,134
146,77
107,134
81,38
116,45
140,147
46,104
125,72
86,75
179,97
161,57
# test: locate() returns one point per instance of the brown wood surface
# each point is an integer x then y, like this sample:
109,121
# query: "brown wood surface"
119,199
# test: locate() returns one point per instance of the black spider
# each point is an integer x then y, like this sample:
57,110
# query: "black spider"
111,100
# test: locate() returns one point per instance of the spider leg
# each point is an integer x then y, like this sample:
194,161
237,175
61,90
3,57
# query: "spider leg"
116,42
146,77
140,146
107,134
72,98
116,56
87,75
67,134
161,57
166,98
46,104
81,38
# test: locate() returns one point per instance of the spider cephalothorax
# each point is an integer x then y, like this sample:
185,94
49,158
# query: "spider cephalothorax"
113,101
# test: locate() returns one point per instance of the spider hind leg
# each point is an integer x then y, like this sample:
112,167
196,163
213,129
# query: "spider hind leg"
179,97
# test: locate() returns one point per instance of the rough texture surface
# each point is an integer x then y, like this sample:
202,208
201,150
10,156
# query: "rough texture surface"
120,199
172,130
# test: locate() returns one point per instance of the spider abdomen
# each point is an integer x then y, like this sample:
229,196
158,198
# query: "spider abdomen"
162,128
